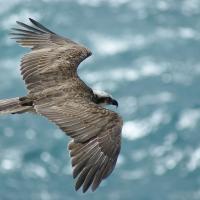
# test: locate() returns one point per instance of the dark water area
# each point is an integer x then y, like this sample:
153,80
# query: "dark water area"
146,54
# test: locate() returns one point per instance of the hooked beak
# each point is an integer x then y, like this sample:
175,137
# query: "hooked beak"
114,102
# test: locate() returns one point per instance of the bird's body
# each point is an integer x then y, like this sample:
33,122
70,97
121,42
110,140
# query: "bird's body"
56,92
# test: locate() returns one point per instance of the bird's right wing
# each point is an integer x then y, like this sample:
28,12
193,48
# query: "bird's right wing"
53,59
96,134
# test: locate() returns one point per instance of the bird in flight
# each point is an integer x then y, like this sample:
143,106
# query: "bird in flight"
56,92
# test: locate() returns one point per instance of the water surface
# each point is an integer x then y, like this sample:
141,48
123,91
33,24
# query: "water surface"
146,53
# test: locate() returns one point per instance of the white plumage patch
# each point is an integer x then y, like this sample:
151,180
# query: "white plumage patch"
101,93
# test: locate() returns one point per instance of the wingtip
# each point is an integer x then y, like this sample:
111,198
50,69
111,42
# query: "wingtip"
77,186
31,20
75,174
18,22
76,189
95,186
93,189
85,188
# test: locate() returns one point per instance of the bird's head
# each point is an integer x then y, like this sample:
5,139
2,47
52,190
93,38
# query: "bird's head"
103,98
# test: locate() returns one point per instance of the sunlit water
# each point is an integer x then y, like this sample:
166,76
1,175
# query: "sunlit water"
146,53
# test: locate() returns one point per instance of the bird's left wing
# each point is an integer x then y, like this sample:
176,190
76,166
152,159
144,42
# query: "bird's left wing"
95,133
37,36
53,59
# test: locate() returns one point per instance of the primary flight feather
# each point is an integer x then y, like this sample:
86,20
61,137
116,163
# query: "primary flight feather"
56,92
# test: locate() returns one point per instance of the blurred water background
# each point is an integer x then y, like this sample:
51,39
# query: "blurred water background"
146,53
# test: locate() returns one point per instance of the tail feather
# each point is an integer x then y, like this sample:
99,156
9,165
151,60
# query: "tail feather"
12,106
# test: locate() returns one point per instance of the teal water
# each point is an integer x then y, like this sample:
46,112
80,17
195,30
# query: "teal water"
146,53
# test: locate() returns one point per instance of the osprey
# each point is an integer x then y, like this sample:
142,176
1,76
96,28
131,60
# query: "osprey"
56,92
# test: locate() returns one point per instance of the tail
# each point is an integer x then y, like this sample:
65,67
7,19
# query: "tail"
14,105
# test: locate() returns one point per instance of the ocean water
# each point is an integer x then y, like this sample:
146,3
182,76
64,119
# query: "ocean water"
146,54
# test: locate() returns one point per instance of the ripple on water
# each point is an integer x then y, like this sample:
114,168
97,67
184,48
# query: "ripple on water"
8,131
33,170
188,119
194,160
23,15
133,174
168,162
10,160
143,68
136,129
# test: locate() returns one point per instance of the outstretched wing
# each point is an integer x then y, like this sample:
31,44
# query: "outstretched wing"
96,137
53,59
95,131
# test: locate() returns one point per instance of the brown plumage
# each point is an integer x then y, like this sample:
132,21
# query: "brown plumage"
56,92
